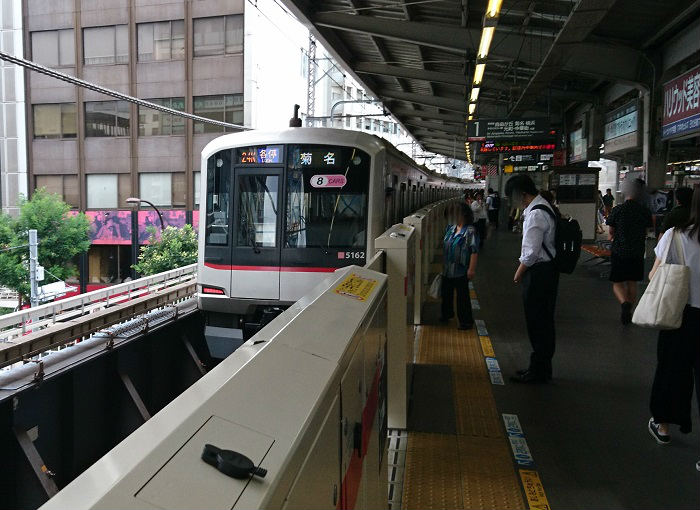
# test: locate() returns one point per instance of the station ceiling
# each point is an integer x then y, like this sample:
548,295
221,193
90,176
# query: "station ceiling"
418,56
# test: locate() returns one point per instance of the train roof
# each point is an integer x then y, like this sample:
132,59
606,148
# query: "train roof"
371,144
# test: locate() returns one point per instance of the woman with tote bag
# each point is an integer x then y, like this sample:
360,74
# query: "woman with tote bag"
678,350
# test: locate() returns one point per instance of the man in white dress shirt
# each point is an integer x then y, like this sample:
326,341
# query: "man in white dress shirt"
538,275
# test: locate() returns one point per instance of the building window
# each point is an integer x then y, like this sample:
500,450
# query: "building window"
153,122
108,191
163,188
106,45
164,40
55,120
54,48
218,35
107,118
227,108
358,122
197,176
64,185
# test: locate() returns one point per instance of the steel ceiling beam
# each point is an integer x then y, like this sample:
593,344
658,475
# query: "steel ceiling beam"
436,126
452,104
407,113
410,73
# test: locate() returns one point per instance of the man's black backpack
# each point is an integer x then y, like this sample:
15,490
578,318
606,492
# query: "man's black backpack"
567,241
496,202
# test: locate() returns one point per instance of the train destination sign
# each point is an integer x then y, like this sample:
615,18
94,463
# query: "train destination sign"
267,154
508,129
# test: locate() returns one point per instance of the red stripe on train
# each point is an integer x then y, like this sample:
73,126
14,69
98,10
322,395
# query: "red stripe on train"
284,269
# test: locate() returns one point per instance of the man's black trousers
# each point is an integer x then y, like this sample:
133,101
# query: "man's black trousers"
540,285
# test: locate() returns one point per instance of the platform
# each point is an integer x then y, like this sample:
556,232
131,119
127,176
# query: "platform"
586,430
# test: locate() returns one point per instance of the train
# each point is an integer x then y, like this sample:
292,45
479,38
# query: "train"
282,209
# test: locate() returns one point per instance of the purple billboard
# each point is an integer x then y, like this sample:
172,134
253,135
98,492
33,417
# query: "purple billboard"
109,227
171,218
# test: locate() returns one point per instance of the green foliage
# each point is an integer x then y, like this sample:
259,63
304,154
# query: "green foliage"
177,247
61,236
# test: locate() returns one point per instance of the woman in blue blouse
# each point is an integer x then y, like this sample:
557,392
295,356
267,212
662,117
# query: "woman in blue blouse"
460,247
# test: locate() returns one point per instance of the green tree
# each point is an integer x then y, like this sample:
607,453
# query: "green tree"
61,235
176,247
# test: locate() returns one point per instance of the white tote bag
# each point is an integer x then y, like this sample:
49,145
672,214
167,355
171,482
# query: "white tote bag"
435,289
664,300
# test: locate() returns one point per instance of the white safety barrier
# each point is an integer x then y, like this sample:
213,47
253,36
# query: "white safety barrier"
304,399
16,324
397,243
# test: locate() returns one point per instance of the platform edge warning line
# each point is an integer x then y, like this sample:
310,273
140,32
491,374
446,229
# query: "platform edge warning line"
487,346
534,490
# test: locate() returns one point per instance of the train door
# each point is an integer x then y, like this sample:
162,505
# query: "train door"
256,233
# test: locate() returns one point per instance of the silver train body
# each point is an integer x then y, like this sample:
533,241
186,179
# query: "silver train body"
280,210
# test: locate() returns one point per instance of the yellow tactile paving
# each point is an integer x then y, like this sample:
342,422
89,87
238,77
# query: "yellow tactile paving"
473,469
487,346
432,476
472,294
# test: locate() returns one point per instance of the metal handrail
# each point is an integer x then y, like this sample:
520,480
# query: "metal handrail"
45,315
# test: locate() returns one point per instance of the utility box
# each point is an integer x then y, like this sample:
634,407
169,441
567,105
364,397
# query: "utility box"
398,244
419,222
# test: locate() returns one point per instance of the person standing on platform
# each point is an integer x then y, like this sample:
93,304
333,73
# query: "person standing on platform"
628,225
493,202
478,206
678,216
608,202
460,246
539,276
678,350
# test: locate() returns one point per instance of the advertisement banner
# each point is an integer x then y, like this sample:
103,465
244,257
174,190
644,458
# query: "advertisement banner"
577,146
682,104
622,128
109,227
511,147
171,218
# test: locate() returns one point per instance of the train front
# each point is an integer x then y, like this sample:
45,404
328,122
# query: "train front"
275,220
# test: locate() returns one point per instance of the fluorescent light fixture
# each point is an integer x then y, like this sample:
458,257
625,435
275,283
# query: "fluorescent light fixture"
479,73
475,94
472,108
493,8
485,43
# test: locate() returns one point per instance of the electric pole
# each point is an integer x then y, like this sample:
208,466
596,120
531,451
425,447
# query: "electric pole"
33,263
311,82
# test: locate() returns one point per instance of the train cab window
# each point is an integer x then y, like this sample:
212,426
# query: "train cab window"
257,210
218,196
327,189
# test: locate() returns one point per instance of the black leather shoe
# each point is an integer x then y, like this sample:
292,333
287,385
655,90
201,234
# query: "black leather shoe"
526,370
529,377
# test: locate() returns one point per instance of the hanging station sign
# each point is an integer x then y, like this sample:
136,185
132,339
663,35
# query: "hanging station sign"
508,129
514,147
622,128
682,105
577,146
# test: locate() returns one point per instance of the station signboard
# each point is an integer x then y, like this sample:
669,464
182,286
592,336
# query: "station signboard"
516,146
508,129
622,128
682,105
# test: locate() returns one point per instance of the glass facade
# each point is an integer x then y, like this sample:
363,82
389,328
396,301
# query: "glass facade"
218,35
153,122
106,45
227,108
164,40
54,48
107,118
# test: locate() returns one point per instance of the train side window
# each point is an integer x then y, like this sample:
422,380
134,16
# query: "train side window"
218,199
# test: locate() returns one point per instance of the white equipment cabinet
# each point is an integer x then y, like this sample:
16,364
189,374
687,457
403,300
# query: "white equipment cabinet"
398,244
304,399
419,221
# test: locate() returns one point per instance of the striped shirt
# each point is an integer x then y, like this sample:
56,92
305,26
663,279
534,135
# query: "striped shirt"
458,247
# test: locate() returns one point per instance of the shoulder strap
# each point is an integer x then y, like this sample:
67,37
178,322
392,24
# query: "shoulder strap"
679,246
542,207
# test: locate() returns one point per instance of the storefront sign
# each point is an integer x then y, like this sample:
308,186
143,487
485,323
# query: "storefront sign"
622,128
682,105
508,129
577,146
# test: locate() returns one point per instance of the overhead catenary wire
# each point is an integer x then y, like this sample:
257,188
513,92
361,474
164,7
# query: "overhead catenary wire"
33,66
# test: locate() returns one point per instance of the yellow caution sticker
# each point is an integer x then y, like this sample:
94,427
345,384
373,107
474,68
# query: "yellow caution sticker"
486,346
472,294
356,287
534,491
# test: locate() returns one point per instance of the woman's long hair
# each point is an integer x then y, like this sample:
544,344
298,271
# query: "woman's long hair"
693,226
466,214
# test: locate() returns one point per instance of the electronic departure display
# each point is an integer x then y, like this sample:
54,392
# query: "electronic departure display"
267,154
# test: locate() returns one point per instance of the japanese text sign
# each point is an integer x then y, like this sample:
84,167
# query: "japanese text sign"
682,104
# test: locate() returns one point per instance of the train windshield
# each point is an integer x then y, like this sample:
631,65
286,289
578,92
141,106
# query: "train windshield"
327,189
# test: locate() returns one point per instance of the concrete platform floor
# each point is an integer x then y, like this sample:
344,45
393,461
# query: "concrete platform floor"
587,430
